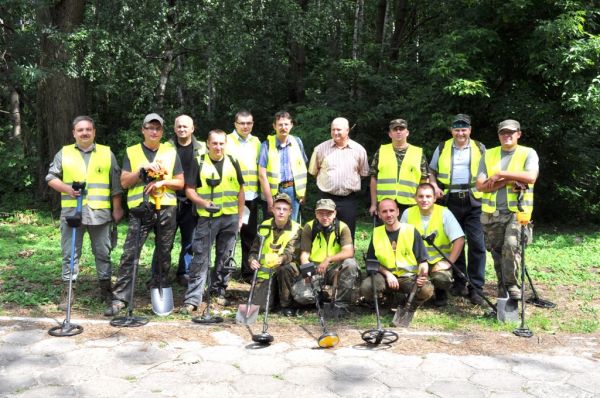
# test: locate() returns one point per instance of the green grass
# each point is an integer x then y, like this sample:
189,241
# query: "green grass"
564,264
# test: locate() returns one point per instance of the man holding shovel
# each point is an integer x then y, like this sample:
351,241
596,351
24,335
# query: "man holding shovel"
327,242
505,172
216,186
428,217
94,164
150,158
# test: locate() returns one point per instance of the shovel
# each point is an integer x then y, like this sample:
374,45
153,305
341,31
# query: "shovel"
507,309
161,297
404,315
248,313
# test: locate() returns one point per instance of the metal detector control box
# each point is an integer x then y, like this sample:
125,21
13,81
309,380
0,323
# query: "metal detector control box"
308,269
372,266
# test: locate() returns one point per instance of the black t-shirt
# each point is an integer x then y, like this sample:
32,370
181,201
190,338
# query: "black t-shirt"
418,248
150,155
193,178
186,154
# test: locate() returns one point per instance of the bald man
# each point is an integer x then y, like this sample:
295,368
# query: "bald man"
338,165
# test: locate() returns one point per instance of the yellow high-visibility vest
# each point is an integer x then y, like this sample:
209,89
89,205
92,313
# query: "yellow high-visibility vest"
402,260
247,156
296,162
225,195
267,249
436,223
402,186
166,154
444,174
96,175
320,248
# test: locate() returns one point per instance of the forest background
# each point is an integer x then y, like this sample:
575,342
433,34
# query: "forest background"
371,61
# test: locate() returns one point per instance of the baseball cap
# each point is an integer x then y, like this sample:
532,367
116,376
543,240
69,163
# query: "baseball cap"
325,204
509,124
461,120
398,123
152,117
283,197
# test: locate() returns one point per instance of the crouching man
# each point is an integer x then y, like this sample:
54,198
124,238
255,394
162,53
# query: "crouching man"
327,242
402,257
280,250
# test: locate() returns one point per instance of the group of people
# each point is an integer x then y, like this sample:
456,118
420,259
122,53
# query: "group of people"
212,193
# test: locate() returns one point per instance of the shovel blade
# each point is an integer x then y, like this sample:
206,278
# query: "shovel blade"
403,317
162,300
507,309
247,314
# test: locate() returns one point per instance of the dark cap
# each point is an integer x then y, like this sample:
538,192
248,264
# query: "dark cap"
325,204
152,117
509,124
398,123
282,197
461,120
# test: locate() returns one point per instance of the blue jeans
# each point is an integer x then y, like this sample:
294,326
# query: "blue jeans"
295,204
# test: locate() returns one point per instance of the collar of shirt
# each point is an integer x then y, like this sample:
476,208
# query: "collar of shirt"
348,144
241,139
280,145
92,148
286,227
465,147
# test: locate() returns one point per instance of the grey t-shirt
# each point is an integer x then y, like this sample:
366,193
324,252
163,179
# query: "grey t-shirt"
532,163
461,161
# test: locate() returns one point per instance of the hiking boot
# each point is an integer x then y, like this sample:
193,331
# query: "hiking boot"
288,312
514,292
114,308
105,292
459,290
187,309
62,306
475,297
222,301
441,298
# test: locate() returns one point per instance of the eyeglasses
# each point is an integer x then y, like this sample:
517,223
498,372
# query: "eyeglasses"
245,123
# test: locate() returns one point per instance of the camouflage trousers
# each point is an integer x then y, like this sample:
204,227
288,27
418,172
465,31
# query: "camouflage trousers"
347,277
279,288
503,241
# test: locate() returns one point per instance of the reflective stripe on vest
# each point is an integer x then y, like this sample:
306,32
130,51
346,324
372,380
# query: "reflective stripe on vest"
296,163
166,154
247,156
402,260
445,168
283,240
321,249
493,166
225,195
96,175
399,187
436,223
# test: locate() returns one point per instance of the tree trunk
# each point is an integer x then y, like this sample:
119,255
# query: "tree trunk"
358,22
15,113
60,98
400,28
298,64
168,57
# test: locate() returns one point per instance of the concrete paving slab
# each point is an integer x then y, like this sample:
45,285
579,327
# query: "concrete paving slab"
452,389
585,382
498,380
542,389
256,365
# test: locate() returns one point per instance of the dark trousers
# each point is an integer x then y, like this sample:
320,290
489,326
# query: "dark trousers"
469,218
247,236
346,208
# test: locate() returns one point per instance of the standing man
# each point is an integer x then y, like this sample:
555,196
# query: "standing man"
151,157
338,164
216,187
245,147
429,218
282,165
94,164
506,177
454,167
397,168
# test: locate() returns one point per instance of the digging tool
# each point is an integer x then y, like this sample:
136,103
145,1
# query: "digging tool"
145,215
264,338
331,309
161,297
230,265
404,315
67,329
523,219
207,318
431,241
247,313
379,335
327,339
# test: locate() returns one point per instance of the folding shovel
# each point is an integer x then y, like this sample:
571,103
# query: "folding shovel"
404,314
160,297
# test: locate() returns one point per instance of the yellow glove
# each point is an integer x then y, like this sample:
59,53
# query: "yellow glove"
271,260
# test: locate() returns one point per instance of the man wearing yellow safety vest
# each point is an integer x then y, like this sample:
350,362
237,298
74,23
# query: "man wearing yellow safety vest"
327,242
282,165
402,257
280,252
506,174
244,146
94,164
453,168
397,168
428,218
149,157
216,186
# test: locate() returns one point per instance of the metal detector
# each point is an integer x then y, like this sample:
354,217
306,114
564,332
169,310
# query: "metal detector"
160,297
379,335
327,339
67,329
264,338
207,318
523,219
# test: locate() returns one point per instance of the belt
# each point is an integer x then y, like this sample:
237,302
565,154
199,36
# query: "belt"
460,195
286,184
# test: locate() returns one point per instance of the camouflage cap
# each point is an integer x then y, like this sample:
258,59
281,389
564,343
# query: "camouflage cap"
282,197
325,204
398,123
509,124
461,120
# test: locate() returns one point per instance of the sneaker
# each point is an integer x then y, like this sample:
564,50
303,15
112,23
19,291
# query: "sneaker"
187,309
514,292
459,290
475,297
221,300
114,308
441,298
